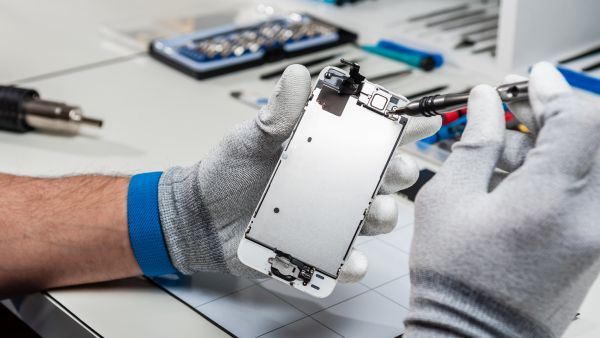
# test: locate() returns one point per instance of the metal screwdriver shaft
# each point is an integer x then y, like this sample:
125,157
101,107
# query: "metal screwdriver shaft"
437,104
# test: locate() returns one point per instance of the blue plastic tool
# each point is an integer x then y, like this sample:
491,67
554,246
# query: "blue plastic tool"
581,80
395,46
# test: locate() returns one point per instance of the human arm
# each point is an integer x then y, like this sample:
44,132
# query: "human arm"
63,231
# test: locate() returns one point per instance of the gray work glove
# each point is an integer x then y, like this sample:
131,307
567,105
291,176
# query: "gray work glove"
204,209
516,257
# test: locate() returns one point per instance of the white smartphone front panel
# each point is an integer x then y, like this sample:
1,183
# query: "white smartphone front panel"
324,183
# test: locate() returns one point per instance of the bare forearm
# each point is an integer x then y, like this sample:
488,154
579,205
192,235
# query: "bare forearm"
63,231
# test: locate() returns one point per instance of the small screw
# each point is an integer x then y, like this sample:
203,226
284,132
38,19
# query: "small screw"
276,210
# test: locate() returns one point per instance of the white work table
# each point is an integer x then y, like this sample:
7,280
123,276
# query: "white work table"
155,117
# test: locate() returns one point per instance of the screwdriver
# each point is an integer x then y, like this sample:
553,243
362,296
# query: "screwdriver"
22,110
438,104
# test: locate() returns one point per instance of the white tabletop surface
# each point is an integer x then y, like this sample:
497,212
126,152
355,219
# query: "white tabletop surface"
155,118
43,37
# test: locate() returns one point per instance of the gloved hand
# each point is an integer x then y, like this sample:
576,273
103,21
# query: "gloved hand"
204,209
514,258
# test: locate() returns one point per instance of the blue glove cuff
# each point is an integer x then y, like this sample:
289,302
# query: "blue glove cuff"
145,232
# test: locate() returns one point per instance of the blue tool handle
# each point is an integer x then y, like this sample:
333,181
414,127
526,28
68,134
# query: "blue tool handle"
424,62
581,80
438,59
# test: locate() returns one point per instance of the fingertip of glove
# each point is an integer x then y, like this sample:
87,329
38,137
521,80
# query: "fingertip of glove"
411,168
421,127
483,90
402,172
293,87
547,82
482,99
431,125
546,68
382,216
297,75
513,78
286,101
356,267
486,123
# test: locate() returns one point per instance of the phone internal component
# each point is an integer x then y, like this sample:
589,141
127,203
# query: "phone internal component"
290,269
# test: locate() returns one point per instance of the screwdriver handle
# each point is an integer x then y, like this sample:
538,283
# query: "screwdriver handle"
432,105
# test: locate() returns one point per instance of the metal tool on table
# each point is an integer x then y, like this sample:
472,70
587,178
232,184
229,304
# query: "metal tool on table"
22,110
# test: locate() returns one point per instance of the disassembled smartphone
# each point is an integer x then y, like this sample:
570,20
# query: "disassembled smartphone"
318,196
